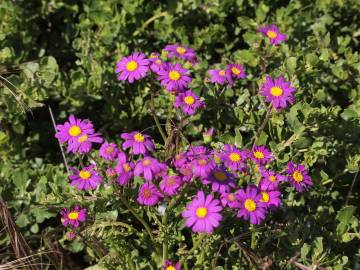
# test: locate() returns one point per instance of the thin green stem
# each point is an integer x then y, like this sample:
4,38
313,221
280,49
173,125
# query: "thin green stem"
130,262
195,246
157,122
263,125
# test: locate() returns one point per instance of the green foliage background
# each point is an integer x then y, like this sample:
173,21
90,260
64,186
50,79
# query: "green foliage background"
63,53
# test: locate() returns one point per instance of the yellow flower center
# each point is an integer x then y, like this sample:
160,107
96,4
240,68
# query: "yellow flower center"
272,178
265,197
298,177
271,34
180,50
153,55
234,157
231,197
250,205
170,268
189,100
202,162
259,154
235,70
147,193
222,72
131,66
276,91
126,167
110,150
146,162
220,176
84,174
201,212
74,131
138,137
73,215
83,138
158,62
174,75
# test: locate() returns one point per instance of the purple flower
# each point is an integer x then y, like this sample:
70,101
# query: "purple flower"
70,235
271,180
250,205
85,179
278,91
171,265
207,134
237,71
203,213
73,216
271,198
148,167
197,151
149,194
186,173
228,199
299,177
132,68
138,142
170,184
220,180
124,169
202,166
155,62
261,155
189,102
234,158
273,33
83,144
180,160
174,77
108,151
110,172
220,76
180,51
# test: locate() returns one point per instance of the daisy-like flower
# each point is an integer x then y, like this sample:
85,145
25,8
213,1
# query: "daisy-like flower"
261,155
83,143
171,265
124,169
233,158
221,181
189,102
174,77
299,177
278,91
132,68
273,33
186,172
228,199
108,151
138,142
250,205
237,71
271,180
110,172
147,167
203,213
149,194
180,160
155,62
202,166
170,184
70,235
271,198
197,151
180,51
73,217
85,179
220,76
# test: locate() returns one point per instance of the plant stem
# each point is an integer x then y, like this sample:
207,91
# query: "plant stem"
351,187
157,122
130,262
267,117
195,246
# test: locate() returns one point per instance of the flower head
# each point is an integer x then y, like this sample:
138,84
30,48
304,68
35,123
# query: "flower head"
170,184
261,155
202,166
250,205
186,172
85,179
273,33
174,77
132,68
171,265
237,71
220,180
203,213
188,101
138,142
148,167
73,217
180,51
155,62
299,177
234,158
124,169
228,199
278,91
271,180
271,198
83,143
220,76
108,151
149,194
